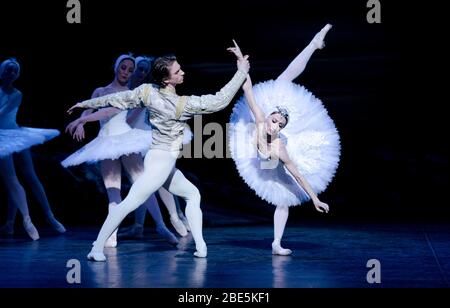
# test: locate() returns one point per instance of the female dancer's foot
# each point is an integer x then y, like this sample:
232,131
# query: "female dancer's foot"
280,251
97,256
178,225
7,228
30,229
164,232
202,251
318,39
111,242
56,224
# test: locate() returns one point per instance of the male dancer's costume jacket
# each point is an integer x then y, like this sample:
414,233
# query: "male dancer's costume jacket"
168,112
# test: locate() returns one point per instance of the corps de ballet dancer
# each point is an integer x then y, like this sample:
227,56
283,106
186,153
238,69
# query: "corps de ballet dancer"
15,144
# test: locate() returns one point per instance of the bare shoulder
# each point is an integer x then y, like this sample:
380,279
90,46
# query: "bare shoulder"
99,91
17,93
279,149
15,96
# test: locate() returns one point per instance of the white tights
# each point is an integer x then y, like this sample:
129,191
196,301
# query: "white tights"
159,171
298,65
279,223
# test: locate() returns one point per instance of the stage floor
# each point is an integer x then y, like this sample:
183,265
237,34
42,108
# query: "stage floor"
324,256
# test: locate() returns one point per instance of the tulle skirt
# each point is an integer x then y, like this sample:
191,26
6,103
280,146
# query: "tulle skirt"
311,140
18,139
111,147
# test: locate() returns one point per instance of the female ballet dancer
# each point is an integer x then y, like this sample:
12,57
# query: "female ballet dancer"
168,114
141,72
292,152
137,119
16,141
117,144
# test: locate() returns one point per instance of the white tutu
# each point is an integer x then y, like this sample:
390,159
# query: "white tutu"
311,140
18,139
115,139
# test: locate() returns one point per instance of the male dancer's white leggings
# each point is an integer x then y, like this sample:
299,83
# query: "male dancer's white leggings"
159,170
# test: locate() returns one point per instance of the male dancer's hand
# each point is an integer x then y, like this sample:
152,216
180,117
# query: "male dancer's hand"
77,105
243,64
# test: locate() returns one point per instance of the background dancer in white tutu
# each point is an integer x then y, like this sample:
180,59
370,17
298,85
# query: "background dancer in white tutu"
137,118
117,144
168,115
18,140
293,151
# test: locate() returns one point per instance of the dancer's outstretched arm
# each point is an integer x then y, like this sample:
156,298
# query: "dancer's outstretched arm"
123,100
284,157
248,92
97,93
297,66
79,130
103,113
193,105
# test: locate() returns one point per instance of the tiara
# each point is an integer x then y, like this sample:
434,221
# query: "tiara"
283,111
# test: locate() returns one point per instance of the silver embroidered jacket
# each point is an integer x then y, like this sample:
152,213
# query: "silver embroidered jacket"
168,111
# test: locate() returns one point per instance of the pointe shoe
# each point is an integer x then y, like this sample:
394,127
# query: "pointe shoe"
96,256
132,232
202,251
318,39
56,224
178,225
7,229
280,251
31,229
163,231
111,242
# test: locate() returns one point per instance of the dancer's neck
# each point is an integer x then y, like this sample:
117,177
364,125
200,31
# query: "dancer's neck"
118,85
170,87
7,88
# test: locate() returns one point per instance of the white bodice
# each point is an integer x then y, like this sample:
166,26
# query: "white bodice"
116,125
9,105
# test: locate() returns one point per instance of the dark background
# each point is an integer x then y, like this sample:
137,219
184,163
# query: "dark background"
379,83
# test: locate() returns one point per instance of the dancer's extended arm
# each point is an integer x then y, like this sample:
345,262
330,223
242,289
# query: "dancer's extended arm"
248,92
192,105
123,100
290,166
103,113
